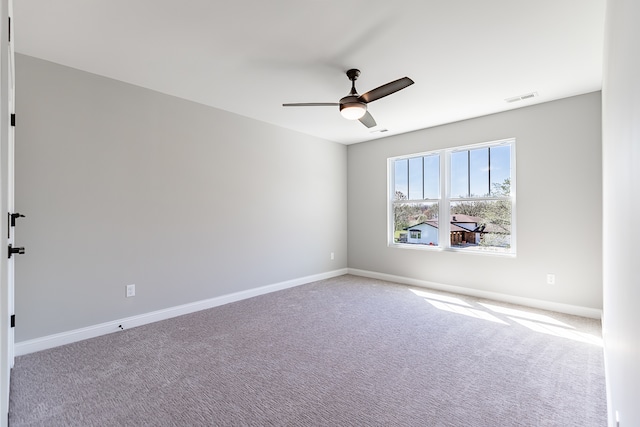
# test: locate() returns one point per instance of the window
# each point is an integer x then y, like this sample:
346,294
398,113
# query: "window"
471,186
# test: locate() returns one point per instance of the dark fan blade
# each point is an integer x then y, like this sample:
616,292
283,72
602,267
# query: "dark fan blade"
367,120
312,104
384,90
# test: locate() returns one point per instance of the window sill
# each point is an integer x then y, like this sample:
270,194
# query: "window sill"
473,251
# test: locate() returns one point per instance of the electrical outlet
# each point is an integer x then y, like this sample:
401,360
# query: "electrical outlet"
332,255
131,291
551,279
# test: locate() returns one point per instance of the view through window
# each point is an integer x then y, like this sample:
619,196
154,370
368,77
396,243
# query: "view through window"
471,186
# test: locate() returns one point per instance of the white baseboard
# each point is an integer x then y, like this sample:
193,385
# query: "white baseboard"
50,341
575,310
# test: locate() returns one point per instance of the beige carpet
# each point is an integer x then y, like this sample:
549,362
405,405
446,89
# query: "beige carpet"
347,351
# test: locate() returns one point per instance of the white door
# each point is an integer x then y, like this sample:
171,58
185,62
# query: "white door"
7,84
10,179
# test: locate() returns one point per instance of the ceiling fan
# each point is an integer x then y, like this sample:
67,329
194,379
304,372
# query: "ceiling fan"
354,106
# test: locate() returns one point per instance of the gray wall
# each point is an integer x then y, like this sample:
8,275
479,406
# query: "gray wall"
124,185
558,213
621,189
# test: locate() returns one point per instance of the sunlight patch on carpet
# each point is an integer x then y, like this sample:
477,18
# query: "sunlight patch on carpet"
559,332
526,315
438,297
471,312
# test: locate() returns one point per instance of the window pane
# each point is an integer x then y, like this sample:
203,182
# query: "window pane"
479,170
460,174
478,198
400,179
501,170
416,223
481,225
415,178
432,177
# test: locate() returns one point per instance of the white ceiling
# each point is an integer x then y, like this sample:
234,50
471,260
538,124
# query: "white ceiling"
250,56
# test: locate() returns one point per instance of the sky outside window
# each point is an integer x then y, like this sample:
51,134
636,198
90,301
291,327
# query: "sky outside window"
479,171
474,172
415,178
460,174
432,177
400,177
500,164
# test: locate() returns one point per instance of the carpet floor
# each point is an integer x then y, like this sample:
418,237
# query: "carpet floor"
347,351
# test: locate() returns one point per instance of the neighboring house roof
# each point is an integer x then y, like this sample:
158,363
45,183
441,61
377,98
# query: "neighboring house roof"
457,218
460,222
423,223
434,224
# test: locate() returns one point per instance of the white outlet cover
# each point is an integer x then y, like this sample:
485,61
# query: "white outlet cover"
131,291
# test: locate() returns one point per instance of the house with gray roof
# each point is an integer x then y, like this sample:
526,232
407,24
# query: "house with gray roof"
466,230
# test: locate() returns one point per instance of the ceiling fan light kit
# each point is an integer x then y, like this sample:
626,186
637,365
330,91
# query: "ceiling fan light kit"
354,106
352,109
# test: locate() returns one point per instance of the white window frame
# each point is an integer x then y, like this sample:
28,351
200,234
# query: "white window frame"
445,200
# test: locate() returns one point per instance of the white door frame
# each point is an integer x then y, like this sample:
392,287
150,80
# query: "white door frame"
7,73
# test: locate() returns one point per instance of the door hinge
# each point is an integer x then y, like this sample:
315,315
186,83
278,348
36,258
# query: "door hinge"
13,320
13,119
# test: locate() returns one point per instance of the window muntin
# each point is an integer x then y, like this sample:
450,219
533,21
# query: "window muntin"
480,204
417,178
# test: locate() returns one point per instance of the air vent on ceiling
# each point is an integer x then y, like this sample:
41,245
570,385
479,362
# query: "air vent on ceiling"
522,97
379,131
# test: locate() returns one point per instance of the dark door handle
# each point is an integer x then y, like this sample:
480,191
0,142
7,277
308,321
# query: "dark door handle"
11,221
12,250
15,216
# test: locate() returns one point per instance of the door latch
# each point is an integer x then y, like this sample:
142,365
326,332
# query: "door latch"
18,250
